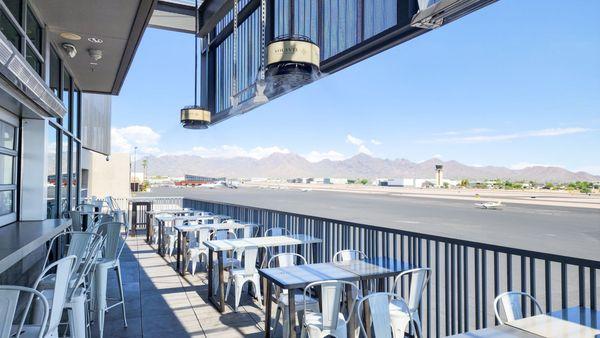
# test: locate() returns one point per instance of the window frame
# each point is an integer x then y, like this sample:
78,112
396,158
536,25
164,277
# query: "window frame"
14,153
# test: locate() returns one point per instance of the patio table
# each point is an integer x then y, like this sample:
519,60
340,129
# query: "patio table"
576,322
184,229
163,219
298,277
151,213
233,244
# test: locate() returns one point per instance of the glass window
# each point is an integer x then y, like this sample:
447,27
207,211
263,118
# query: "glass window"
6,169
34,30
14,6
33,61
54,73
65,98
64,181
6,202
76,107
51,147
75,175
7,134
11,33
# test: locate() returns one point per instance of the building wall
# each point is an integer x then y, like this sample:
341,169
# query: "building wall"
106,177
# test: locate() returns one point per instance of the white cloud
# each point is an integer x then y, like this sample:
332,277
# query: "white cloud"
316,156
436,156
376,142
230,151
551,132
354,140
359,143
124,140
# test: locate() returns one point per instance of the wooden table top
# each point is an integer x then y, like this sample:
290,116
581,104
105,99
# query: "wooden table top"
261,242
573,322
503,331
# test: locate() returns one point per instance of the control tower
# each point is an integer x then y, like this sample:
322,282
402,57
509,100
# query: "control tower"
439,175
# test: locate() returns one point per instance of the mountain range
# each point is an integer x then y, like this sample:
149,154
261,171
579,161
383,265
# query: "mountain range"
289,165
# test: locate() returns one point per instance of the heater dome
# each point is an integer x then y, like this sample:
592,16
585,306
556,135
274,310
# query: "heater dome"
292,61
195,117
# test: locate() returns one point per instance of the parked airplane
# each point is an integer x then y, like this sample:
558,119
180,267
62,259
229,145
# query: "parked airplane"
490,205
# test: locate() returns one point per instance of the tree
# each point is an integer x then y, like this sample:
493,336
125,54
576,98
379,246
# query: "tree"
549,185
464,183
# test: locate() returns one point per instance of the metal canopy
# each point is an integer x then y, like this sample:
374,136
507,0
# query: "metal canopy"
346,31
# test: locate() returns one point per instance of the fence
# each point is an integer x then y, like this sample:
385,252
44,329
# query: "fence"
466,275
136,207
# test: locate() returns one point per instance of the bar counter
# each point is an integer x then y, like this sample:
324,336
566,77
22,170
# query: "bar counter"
19,239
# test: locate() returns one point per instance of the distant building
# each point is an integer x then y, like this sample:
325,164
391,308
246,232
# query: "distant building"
194,180
322,180
339,181
439,175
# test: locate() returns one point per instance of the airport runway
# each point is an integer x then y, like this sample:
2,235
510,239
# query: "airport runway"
559,230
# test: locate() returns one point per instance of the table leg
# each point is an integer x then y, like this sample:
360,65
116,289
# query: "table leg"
160,238
366,310
352,324
221,284
148,227
179,246
314,257
210,270
267,299
292,312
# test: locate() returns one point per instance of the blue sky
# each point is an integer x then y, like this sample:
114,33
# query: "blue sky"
514,84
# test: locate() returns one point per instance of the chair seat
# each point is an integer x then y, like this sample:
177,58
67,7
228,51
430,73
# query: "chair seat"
228,262
241,272
314,320
27,331
398,316
49,280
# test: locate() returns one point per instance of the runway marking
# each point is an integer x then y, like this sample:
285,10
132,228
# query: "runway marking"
407,222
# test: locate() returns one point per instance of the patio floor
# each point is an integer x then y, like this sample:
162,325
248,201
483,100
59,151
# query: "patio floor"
161,303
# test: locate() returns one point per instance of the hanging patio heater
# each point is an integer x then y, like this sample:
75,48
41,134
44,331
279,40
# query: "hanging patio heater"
292,61
196,116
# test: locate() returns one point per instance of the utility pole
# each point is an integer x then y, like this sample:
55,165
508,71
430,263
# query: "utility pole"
135,163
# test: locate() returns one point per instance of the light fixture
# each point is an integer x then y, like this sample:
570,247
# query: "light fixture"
95,54
95,40
70,49
70,36
292,61
196,116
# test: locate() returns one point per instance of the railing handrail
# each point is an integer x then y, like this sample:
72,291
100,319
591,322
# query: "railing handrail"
478,245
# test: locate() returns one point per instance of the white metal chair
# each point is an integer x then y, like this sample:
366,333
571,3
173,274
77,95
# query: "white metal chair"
60,288
250,230
76,220
349,255
511,302
247,274
171,236
418,278
228,261
196,248
331,321
78,292
280,296
9,299
276,231
113,246
379,308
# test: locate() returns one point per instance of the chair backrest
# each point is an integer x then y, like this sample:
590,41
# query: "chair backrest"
250,254
418,279
331,299
286,259
9,299
511,302
63,267
277,231
223,234
114,240
349,255
250,230
86,207
380,313
76,220
88,263
77,244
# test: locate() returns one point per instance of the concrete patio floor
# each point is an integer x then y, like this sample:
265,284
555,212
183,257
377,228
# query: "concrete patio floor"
161,303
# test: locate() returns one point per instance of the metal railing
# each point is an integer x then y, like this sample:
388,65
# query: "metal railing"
136,207
466,275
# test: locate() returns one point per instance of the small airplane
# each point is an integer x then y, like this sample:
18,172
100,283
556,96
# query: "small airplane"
490,205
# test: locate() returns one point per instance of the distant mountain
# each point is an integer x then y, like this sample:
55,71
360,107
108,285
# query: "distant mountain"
290,165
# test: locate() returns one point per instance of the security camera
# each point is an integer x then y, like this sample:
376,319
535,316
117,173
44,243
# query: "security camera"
107,158
95,54
70,49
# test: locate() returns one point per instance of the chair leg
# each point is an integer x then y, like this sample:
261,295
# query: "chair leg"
100,290
277,314
238,294
286,322
120,278
77,318
228,288
417,327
